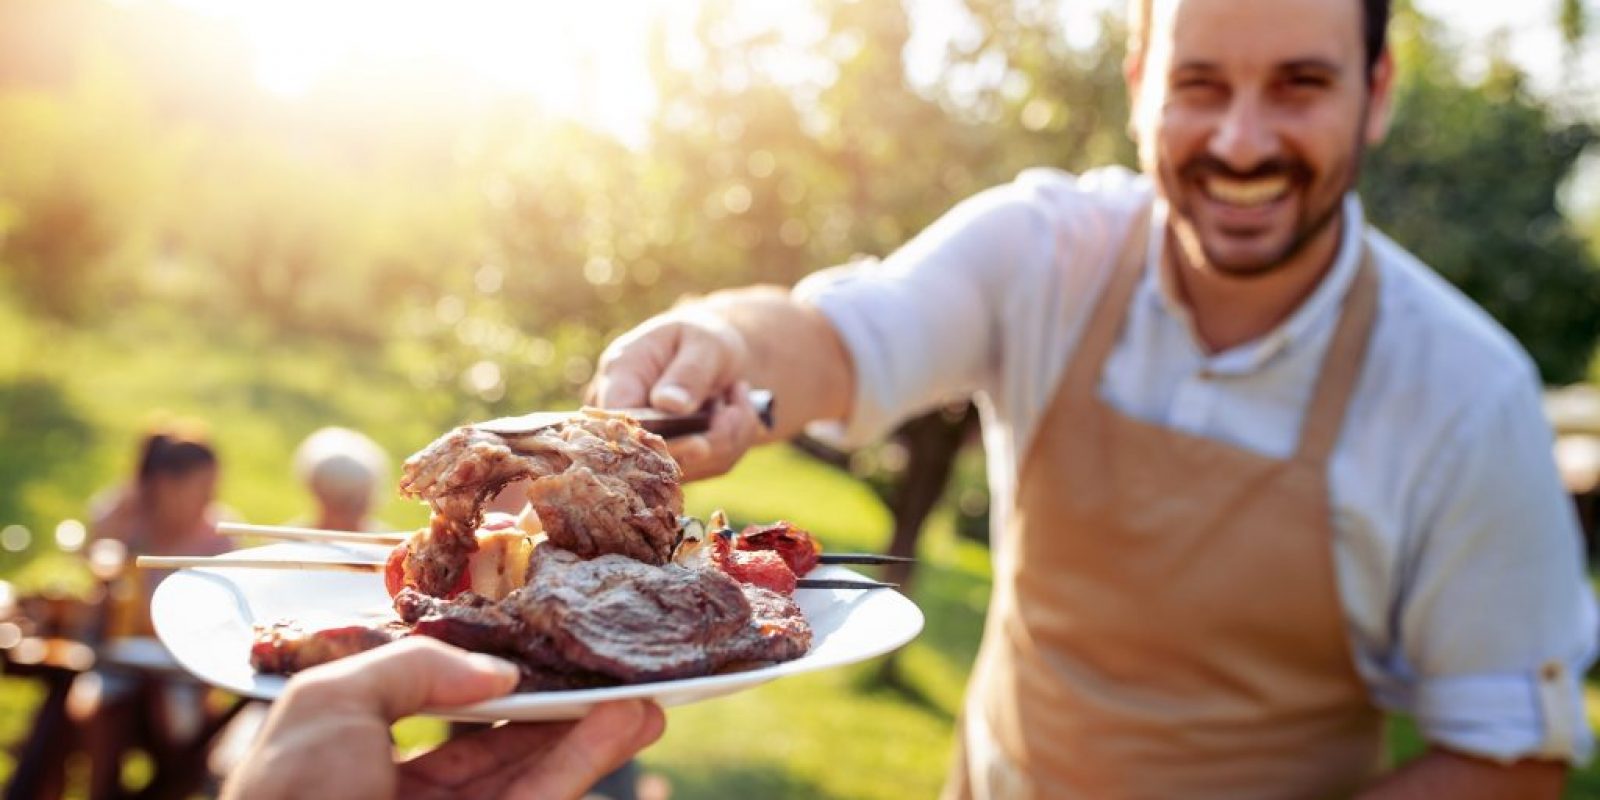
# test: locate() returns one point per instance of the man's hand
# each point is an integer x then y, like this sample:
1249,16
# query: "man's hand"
676,362
718,347
328,736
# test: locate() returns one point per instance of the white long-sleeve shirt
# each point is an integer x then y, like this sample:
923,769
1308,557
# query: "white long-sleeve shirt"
1459,561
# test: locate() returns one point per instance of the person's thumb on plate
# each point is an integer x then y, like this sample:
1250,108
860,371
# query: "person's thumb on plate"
413,674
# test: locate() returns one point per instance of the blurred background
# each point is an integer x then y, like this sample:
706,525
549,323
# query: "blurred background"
255,219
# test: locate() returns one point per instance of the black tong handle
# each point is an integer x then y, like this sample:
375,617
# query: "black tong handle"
668,426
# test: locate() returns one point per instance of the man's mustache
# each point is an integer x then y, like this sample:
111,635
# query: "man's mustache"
1210,166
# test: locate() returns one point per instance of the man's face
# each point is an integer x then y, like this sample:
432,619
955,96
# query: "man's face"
1252,116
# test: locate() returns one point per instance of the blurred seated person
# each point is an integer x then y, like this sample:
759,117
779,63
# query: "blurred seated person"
343,470
168,509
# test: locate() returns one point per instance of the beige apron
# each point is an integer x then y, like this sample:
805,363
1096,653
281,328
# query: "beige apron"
1168,624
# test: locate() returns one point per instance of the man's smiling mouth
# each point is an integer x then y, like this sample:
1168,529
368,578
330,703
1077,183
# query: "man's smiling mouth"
1245,193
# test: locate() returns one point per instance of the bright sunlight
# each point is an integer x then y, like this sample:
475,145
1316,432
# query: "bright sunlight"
587,61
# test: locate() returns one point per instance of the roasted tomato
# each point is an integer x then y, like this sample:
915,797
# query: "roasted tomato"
763,568
798,548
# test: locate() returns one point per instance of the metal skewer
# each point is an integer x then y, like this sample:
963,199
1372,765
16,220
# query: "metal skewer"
219,562
294,534
227,562
862,558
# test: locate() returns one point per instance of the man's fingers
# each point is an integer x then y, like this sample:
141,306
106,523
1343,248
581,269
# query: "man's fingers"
735,428
598,744
619,388
403,678
482,753
689,450
631,364
706,361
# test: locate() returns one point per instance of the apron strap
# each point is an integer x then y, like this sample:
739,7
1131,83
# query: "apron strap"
1100,335
1341,366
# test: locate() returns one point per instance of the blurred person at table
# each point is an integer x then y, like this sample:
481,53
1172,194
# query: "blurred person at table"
1261,475
169,508
131,700
344,471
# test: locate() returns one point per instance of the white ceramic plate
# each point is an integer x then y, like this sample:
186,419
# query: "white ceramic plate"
205,617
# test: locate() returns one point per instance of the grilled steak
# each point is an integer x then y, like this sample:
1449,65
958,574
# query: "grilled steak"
601,484
614,618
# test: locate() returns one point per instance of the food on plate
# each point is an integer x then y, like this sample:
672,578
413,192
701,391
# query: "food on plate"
600,583
287,647
617,620
600,484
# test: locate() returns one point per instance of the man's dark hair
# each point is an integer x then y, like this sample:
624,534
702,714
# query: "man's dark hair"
1375,27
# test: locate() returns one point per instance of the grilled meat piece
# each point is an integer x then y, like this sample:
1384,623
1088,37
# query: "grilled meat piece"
618,619
621,492
467,621
474,623
600,484
636,622
285,647
590,513
777,625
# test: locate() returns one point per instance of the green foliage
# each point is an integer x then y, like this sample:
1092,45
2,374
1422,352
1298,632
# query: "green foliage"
1468,180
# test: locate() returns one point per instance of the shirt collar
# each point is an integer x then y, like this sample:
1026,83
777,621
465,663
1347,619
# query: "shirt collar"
1323,304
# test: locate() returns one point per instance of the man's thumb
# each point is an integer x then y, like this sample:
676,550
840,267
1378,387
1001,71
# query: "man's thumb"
412,674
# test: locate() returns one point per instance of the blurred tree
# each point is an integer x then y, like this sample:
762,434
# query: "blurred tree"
1574,24
1468,180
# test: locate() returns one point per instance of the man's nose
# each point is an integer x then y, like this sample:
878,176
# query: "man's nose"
1244,137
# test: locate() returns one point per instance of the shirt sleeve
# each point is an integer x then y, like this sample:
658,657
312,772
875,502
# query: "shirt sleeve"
1497,620
923,326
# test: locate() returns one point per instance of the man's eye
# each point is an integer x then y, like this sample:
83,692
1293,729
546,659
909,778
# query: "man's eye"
1308,82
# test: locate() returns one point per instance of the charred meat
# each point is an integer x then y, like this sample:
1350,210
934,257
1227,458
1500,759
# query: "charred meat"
617,619
285,647
600,484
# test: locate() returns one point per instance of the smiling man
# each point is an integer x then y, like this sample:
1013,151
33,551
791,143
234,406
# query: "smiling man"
1260,476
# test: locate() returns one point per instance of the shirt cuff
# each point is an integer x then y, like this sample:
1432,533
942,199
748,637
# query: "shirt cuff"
1507,717
831,292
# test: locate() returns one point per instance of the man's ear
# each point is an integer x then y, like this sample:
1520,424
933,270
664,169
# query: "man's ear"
1133,77
1380,100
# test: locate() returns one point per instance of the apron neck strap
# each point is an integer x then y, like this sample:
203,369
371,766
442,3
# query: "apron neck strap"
1100,336
1341,365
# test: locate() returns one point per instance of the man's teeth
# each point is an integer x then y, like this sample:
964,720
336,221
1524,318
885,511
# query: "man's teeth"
1247,193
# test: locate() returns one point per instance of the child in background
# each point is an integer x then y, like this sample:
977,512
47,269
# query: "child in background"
343,470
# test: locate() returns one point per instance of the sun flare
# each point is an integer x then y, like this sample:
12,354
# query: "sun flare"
584,60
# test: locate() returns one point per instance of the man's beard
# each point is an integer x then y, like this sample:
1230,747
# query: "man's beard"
1311,224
